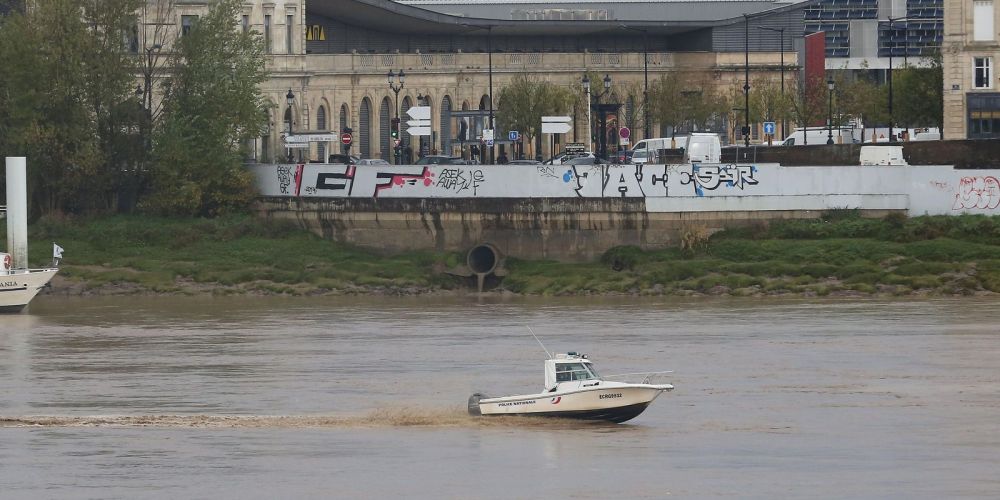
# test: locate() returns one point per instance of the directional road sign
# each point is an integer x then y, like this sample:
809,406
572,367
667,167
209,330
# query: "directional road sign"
307,138
768,128
421,122
556,124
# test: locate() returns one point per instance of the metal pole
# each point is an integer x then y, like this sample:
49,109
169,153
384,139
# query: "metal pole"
829,114
489,48
746,84
645,86
395,150
781,36
590,129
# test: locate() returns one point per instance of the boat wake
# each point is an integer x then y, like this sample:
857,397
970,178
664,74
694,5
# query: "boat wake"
380,418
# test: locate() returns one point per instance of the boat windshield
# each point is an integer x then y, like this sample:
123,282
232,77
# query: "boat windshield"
566,372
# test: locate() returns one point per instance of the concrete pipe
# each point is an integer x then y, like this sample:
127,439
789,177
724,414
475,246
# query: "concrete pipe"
483,259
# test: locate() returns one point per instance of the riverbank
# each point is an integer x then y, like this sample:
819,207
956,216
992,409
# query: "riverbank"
838,255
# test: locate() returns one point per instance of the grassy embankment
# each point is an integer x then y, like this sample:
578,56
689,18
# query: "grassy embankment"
841,254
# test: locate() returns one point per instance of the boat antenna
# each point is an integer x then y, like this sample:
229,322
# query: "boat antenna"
539,342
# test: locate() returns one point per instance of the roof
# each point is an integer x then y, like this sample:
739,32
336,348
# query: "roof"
655,18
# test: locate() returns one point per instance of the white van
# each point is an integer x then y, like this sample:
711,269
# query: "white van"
819,135
698,147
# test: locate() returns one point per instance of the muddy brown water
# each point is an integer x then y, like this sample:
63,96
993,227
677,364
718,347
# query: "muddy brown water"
166,397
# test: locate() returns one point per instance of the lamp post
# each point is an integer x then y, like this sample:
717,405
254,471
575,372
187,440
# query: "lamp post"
595,100
746,81
892,29
829,114
645,79
290,99
781,42
489,50
394,126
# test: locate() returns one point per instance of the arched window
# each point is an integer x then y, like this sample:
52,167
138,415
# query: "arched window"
385,120
446,136
403,118
365,123
321,126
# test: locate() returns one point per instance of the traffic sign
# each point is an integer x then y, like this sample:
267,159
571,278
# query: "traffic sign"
489,142
513,135
624,132
419,112
346,138
556,124
768,128
421,122
487,134
307,138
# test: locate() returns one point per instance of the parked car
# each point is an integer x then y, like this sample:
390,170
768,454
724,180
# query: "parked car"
441,160
371,162
343,159
563,157
525,162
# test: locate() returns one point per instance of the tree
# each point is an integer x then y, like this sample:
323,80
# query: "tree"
684,102
919,95
524,102
767,101
211,110
808,101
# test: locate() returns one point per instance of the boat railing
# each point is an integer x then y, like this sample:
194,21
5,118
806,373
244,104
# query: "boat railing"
638,378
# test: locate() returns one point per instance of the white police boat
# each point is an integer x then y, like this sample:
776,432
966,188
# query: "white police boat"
573,389
19,286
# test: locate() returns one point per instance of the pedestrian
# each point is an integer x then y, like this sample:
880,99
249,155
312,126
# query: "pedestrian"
502,159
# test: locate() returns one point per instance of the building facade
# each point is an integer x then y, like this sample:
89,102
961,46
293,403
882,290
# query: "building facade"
332,57
971,85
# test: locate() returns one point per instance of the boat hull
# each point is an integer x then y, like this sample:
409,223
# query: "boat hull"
17,288
612,404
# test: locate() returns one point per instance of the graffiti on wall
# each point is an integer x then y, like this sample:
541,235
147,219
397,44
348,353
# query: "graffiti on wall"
458,180
545,181
344,180
977,192
712,177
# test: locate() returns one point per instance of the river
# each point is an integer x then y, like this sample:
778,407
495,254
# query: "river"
172,397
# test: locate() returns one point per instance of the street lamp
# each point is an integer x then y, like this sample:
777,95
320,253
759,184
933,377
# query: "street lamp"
290,99
394,126
645,79
892,29
829,115
595,100
746,81
781,42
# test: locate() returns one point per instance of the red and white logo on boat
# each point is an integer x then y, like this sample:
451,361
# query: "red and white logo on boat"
556,400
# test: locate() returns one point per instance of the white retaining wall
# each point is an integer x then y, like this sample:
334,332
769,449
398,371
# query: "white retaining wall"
921,190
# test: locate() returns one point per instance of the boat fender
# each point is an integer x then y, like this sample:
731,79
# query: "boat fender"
474,404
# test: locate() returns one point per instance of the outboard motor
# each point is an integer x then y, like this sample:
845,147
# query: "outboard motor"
474,404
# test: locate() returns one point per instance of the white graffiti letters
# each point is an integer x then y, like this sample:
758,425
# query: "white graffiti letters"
710,178
977,192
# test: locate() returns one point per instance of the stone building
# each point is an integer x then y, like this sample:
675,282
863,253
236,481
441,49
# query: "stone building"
971,90
333,57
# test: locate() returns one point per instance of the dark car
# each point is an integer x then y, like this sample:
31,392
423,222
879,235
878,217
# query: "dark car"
441,160
343,159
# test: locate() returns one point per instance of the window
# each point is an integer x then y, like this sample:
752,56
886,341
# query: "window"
982,15
267,33
187,23
246,23
566,372
288,33
982,73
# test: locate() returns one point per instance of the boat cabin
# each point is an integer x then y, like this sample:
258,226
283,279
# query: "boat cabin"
568,367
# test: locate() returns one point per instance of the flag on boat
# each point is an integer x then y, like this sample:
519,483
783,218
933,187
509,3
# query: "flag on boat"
56,251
